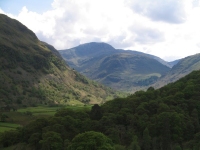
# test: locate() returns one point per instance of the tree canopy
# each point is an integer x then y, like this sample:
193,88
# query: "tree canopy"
91,141
166,118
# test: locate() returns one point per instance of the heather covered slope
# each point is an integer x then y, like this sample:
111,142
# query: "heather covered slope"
33,72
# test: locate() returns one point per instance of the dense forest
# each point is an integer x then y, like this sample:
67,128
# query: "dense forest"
163,119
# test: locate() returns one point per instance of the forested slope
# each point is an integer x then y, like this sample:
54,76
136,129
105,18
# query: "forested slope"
163,119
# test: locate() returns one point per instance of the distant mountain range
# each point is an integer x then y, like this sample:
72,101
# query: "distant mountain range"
119,69
33,72
126,70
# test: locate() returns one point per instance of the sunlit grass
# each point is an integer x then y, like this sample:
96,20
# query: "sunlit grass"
3,129
45,110
4,126
21,118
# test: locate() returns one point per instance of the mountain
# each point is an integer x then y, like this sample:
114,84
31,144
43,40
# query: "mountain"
124,70
168,64
83,56
182,68
173,63
33,72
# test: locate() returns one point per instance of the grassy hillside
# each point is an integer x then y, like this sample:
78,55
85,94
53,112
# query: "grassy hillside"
168,64
32,72
181,69
125,72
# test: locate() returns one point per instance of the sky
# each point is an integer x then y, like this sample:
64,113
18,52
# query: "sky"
169,29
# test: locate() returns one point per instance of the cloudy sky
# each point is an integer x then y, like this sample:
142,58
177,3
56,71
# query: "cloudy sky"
169,29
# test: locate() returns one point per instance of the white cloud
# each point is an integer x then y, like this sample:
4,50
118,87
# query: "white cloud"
166,28
170,11
146,35
1,11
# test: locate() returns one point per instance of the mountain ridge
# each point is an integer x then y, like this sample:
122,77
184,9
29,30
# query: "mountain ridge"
93,66
182,68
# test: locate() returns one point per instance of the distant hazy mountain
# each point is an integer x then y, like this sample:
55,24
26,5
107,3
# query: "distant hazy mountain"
169,64
173,63
182,68
119,69
33,72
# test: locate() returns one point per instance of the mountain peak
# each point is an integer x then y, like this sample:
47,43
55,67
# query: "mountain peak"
101,45
89,50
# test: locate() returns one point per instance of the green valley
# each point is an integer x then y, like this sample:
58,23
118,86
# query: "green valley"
45,104
166,118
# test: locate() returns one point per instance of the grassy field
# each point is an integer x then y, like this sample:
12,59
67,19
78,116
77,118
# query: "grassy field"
5,126
45,110
3,129
25,115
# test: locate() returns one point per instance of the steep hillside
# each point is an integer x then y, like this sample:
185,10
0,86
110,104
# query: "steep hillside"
119,69
182,68
32,72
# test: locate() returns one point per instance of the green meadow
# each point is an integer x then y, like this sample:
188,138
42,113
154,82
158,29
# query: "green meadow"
25,115
5,126
46,110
